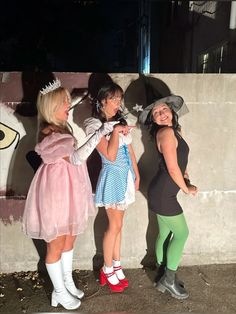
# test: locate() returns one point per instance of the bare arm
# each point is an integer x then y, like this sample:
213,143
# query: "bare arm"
167,143
109,148
135,167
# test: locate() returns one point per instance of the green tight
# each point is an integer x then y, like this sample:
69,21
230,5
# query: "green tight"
177,226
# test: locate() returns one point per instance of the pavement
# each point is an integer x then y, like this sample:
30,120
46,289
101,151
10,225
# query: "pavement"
212,289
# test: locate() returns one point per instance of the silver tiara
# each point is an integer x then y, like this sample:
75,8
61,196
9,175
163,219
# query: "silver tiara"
51,86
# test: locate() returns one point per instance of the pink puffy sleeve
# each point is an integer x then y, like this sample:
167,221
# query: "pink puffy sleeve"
54,147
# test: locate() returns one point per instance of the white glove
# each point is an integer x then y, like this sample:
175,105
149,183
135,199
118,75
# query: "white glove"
83,152
107,127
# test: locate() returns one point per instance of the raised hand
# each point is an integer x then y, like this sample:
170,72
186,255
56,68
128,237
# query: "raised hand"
124,129
107,127
192,189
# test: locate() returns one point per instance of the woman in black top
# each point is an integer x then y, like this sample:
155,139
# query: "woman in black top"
169,179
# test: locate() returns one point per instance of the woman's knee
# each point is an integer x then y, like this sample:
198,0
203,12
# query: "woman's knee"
69,243
115,227
56,246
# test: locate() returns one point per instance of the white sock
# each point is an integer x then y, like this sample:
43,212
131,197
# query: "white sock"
119,273
112,279
115,263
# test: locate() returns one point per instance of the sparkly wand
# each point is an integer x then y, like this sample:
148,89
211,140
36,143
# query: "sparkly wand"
136,108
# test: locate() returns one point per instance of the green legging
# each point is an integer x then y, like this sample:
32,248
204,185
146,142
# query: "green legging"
178,227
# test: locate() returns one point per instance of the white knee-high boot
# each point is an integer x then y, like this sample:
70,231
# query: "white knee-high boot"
66,260
60,295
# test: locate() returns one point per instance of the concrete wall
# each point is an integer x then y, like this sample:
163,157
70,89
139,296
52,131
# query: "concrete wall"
209,128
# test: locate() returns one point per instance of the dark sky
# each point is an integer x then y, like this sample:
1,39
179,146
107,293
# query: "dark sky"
103,36
69,35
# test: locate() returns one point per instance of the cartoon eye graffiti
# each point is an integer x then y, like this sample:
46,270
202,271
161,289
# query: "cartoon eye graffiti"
8,136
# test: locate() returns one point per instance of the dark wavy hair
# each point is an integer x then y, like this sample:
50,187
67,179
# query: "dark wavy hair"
154,127
106,91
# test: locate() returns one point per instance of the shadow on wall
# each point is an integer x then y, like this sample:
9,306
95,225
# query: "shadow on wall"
19,176
26,114
144,91
80,113
83,109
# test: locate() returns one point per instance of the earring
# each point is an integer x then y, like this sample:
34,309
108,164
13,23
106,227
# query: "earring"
98,106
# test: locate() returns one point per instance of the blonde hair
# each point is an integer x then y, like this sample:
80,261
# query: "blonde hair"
48,105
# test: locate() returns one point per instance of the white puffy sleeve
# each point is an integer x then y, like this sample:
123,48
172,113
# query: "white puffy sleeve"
125,139
92,125
55,147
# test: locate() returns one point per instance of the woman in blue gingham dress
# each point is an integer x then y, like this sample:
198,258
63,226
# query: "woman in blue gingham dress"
118,179
115,188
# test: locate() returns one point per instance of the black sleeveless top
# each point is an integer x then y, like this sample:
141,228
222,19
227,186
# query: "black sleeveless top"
162,189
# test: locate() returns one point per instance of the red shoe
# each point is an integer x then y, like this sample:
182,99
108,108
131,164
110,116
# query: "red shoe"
124,282
104,280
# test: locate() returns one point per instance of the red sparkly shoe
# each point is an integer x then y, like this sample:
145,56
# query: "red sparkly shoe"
104,279
124,282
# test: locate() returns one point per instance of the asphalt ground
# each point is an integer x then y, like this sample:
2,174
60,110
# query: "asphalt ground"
212,289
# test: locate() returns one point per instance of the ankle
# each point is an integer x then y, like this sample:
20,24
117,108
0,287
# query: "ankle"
110,275
116,263
170,275
108,269
119,272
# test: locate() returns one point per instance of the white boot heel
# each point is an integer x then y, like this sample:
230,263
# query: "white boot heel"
54,302
160,287
65,299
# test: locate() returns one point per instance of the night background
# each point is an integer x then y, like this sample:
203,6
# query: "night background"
117,36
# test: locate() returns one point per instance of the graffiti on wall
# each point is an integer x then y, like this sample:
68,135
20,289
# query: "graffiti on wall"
8,136
11,133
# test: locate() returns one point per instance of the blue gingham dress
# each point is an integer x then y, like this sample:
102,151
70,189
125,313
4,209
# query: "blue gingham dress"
115,186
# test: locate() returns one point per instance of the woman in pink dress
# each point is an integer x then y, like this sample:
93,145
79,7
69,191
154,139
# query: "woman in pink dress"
59,200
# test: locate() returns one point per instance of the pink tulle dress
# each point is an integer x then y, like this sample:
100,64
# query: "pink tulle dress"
59,200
